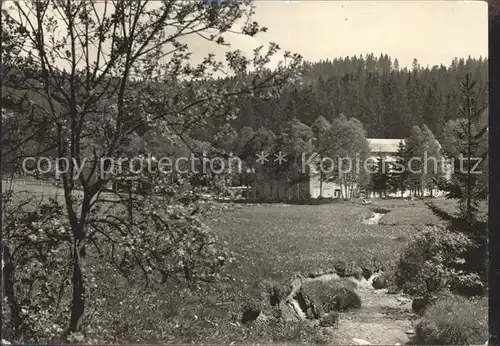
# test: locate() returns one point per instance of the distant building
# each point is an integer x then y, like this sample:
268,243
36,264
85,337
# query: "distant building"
281,189
388,150
265,187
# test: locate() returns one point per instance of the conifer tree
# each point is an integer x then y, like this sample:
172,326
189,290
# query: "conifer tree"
467,183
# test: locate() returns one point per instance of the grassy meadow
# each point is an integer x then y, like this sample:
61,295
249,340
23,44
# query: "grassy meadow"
272,241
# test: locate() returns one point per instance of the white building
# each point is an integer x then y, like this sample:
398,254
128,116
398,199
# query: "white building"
312,187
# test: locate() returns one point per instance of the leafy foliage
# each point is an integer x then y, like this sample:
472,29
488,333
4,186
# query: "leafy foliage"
35,275
93,108
468,184
454,320
431,263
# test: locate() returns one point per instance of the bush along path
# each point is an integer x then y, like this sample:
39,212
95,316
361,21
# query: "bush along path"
346,307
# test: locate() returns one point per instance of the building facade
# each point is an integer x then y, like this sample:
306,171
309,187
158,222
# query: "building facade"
268,188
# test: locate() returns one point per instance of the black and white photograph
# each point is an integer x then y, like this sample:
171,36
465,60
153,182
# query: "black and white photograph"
235,172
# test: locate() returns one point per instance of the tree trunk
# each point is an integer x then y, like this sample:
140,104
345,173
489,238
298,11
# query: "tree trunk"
422,186
320,184
469,157
78,285
343,188
8,283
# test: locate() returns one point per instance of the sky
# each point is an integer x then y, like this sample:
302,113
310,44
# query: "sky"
434,32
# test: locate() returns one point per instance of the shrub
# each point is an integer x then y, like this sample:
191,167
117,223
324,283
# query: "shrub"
454,320
473,224
432,262
384,280
371,266
35,274
345,269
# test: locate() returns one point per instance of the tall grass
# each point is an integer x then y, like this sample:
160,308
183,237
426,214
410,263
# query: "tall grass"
454,320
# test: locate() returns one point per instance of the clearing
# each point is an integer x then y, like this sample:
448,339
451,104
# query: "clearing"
273,241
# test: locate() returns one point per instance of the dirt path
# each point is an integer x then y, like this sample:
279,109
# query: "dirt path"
383,319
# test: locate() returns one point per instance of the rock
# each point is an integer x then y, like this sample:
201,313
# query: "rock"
360,342
317,297
363,283
251,312
379,282
373,277
347,299
295,284
327,277
305,304
410,332
419,304
5,342
276,312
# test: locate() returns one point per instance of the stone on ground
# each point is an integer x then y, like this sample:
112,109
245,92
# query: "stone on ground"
379,282
250,312
356,341
419,304
318,297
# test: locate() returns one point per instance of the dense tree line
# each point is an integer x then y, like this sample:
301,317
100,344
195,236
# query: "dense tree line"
418,104
420,165
387,99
